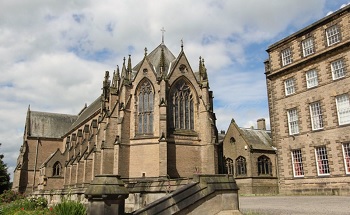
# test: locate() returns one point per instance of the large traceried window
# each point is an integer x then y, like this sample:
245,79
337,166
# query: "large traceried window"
182,106
264,165
333,35
145,108
322,161
346,154
297,161
343,109
241,166
229,166
316,116
293,121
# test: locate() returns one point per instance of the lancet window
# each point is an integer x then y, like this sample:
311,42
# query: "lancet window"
57,168
182,106
145,108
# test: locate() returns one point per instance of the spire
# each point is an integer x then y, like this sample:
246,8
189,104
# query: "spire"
106,85
162,30
204,71
129,69
182,45
27,126
116,78
162,64
162,59
124,69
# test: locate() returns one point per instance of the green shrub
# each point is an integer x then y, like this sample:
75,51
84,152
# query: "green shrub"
68,207
9,196
25,206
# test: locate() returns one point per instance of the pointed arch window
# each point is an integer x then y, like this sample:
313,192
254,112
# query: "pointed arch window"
182,106
241,166
264,165
57,169
145,108
229,166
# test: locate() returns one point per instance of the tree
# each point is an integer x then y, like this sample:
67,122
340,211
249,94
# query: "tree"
4,175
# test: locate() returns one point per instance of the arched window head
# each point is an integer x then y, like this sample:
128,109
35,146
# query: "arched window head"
182,108
57,169
145,103
264,165
241,166
229,166
232,140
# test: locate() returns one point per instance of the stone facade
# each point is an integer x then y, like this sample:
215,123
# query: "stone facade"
250,157
152,122
308,79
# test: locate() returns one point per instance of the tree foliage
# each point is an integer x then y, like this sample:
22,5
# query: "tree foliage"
4,175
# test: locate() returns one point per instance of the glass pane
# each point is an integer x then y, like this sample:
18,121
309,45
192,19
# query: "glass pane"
150,125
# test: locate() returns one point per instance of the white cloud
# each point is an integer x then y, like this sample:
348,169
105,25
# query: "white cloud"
53,54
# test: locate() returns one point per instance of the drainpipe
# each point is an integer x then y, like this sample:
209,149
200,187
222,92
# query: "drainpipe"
36,161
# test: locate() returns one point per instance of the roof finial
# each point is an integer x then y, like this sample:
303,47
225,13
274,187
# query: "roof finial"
162,30
145,51
182,44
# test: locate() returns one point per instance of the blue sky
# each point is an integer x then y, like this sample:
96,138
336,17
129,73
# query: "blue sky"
53,54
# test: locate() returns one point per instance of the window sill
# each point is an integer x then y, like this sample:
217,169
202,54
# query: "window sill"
310,88
185,132
340,78
143,136
344,125
317,130
324,176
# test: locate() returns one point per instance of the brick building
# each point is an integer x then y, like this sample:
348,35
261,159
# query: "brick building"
154,121
308,85
251,158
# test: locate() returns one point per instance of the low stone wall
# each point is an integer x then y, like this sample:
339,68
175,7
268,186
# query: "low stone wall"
258,185
206,194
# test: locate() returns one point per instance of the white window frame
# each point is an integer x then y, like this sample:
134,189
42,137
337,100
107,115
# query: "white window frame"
286,56
289,86
333,35
308,46
346,156
293,121
343,109
297,163
311,78
316,116
322,163
338,69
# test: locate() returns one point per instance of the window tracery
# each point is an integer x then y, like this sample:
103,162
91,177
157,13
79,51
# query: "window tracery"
182,108
57,168
145,108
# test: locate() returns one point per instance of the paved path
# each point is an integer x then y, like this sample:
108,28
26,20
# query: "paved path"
295,205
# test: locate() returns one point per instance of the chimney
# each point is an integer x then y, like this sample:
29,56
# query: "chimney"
261,124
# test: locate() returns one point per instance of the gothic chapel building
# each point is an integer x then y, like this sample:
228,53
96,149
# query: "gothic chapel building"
154,120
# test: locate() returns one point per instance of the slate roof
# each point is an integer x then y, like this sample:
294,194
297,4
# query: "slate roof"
51,125
155,56
87,112
258,139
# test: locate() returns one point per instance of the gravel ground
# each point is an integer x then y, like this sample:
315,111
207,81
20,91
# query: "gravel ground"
288,205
